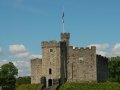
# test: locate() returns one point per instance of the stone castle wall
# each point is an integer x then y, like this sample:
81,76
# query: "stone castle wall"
51,60
63,58
81,64
65,37
61,61
48,44
102,68
36,70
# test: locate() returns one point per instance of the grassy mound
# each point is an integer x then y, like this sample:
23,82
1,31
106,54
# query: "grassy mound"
90,86
28,87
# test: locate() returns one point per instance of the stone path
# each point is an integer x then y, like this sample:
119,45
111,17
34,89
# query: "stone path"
54,87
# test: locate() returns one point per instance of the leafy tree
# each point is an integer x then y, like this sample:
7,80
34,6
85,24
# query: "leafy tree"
23,80
114,69
8,73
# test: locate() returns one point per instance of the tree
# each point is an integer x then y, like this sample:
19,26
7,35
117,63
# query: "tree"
114,69
23,80
8,73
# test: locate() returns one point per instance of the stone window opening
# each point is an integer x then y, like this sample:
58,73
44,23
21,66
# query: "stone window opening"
51,50
50,71
80,59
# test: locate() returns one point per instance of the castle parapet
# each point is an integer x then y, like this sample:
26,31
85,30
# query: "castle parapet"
71,47
36,60
65,35
93,47
83,48
50,44
87,48
101,57
76,48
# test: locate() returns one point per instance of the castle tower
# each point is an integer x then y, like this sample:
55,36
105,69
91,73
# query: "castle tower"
51,62
64,55
65,37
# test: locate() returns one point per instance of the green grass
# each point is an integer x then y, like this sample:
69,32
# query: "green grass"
76,86
90,86
28,87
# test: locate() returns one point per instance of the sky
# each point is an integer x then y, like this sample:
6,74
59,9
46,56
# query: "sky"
24,24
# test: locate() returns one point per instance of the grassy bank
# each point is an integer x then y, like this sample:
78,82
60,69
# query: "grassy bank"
76,86
28,87
90,86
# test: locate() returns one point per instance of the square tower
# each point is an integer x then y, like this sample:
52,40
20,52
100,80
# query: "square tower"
65,37
51,62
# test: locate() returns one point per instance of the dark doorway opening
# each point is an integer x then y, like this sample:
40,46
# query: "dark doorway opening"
50,82
43,81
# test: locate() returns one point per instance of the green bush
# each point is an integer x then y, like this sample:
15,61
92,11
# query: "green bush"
23,80
114,69
28,87
90,86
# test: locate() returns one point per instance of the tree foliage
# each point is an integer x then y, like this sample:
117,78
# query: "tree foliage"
114,69
28,87
23,80
8,73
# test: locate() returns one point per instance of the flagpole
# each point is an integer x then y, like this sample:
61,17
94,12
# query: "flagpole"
63,21
63,28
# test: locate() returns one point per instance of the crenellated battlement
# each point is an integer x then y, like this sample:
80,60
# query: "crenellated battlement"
36,60
63,62
50,44
101,57
65,35
83,48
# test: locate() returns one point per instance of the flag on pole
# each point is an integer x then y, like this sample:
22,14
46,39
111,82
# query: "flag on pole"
63,18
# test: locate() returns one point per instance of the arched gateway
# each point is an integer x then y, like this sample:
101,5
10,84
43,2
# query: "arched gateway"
50,82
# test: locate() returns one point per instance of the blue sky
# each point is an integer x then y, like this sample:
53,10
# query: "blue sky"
25,23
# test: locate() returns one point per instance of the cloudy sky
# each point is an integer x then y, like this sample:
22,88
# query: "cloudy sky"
25,23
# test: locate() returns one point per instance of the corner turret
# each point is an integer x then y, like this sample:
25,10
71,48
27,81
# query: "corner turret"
65,37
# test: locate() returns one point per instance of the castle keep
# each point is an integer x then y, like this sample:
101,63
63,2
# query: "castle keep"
61,62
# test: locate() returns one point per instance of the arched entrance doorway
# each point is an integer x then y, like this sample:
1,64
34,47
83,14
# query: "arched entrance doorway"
49,82
43,81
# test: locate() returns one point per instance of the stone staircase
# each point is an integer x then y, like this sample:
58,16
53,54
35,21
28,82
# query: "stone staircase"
54,87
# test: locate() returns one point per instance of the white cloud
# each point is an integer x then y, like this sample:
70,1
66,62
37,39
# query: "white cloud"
23,66
18,50
35,56
21,59
116,50
3,62
101,48
20,55
103,53
107,50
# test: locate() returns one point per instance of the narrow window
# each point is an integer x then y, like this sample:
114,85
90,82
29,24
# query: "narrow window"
51,50
50,71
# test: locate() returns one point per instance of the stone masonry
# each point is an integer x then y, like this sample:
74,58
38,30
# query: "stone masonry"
61,62
36,66
82,64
